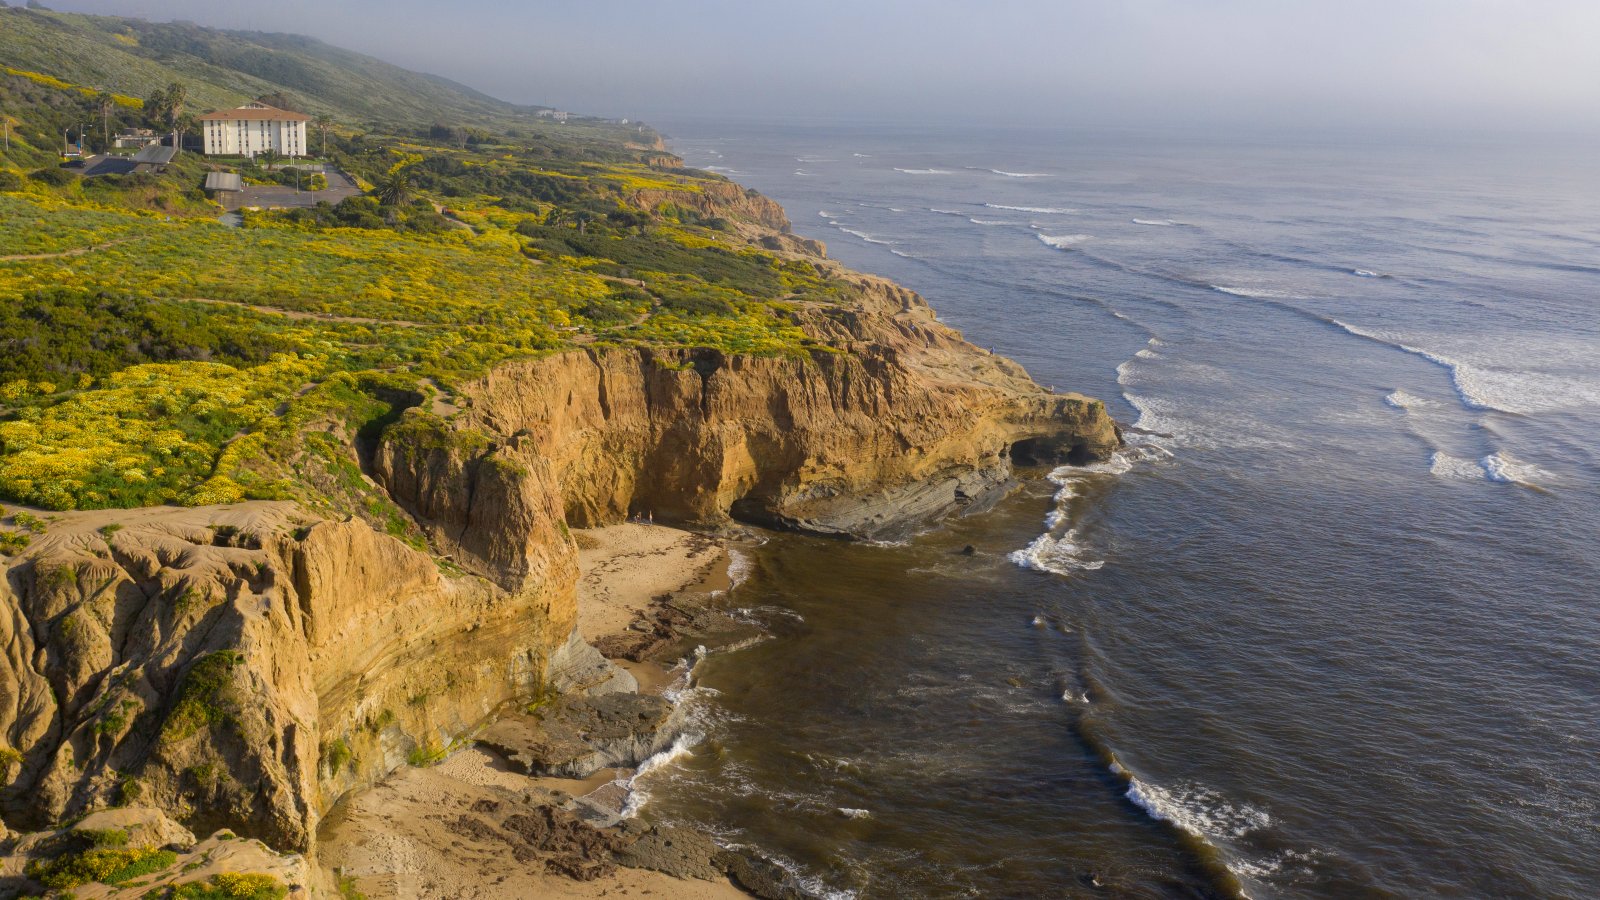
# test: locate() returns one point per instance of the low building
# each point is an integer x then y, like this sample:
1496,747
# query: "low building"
134,137
252,129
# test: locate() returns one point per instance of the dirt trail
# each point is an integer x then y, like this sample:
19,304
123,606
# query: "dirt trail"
76,251
311,316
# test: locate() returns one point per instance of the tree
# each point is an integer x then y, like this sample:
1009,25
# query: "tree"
268,157
165,106
183,126
395,187
107,103
324,122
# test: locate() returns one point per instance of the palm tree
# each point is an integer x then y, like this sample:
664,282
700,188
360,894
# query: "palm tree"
324,122
267,157
395,188
107,103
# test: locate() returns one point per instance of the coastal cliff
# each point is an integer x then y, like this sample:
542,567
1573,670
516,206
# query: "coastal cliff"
244,666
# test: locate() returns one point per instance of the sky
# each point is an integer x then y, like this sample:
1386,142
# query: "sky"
1475,64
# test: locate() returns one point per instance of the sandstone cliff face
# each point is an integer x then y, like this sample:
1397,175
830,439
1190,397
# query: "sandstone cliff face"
911,422
245,666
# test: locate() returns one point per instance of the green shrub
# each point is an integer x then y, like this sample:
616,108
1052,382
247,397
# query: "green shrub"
10,181
228,886
14,542
335,755
103,864
203,700
55,177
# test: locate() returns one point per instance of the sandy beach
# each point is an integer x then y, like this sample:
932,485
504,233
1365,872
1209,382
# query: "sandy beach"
626,566
446,831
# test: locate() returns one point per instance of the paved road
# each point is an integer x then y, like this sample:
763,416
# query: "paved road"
340,187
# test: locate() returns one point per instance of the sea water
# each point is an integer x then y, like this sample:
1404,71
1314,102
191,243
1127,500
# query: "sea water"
1328,627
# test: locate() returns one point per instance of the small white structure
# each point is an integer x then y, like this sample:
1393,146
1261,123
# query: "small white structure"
252,128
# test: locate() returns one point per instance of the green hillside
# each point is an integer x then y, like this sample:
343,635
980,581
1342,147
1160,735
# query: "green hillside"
223,69
151,353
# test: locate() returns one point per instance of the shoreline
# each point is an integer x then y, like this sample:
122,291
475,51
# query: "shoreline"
432,832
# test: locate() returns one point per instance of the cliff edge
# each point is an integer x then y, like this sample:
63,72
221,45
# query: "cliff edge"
244,666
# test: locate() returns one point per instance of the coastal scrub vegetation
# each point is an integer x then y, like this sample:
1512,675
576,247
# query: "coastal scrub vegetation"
152,354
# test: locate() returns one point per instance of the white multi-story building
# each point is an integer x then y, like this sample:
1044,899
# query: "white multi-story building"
252,128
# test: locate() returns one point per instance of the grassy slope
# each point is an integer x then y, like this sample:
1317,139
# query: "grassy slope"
224,69
149,354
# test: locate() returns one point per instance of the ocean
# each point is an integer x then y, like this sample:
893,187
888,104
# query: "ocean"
1327,628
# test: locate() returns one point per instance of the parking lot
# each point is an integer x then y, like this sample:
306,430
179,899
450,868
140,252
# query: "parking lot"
255,196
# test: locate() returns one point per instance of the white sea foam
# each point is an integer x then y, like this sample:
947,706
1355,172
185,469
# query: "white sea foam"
1257,293
864,236
1059,555
990,222
901,253
850,813
828,215
1194,808
1164,223
1482,387
1080,699
1063,241
1042,210
637,795
1443,465
862,155
946,212
1366,273
1507,469
1022,174
1401,400
925,171
803,172
740,565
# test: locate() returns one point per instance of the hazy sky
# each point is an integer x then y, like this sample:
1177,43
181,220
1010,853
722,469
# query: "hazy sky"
1494,63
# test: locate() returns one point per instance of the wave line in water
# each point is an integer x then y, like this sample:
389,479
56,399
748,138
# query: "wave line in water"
1063,241
1041,210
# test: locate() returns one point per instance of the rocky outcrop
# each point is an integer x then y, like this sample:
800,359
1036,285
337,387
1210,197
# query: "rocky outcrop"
574,737
724,200
909,423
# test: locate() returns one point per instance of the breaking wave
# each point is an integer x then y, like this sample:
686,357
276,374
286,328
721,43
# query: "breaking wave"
925,171
1164,223
1194,808
1063,241
864,236
1257,293
1491,389
637,795
1042,210
1005,174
